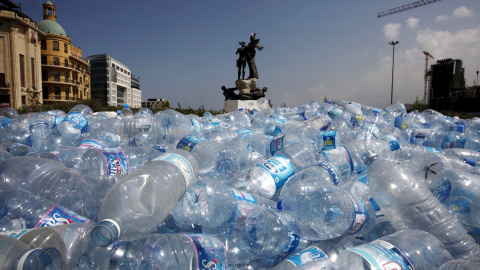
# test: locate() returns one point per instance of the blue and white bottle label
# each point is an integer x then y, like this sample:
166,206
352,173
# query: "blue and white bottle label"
292,244
334,173
329,140
182,164
210,251
90,143
15,234
189,142
280,168
78,119
383,255
239,195
195,126
372,129
307,255
58,215
419,135
116,161
276,145
361,215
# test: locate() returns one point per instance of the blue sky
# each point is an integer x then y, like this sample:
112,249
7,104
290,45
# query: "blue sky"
184,50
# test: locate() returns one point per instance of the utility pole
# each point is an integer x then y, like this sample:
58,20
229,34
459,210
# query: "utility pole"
393,43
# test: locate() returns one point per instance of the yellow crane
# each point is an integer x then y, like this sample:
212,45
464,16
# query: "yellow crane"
406,7
427,55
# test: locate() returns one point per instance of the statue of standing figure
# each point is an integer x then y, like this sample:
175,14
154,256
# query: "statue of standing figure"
247,54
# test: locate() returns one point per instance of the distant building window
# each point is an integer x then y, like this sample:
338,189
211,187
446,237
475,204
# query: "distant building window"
33,71
80,79
57,93
67,93
66,62
56,46
45,92
44,75
22,70
65,47
2,80
56,61
66,77
44,60
43,44
56,76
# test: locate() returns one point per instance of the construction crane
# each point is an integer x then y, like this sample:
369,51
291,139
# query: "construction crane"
427,55
406,7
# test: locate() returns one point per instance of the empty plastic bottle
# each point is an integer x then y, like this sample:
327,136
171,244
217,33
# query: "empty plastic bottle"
382,227
461,264
143,120
323,253
101,139
165,251
136,205
264,179
14,254
24,210
107,161
307,134
198,200
126,111
409,204
407,249
67,132
44,237
252,232
323,211
466,155
205,151
21,150
167,120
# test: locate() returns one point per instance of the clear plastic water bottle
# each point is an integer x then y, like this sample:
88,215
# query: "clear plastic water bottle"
21,150
78,243
40,238
198,200
320,255
467,155
40,126
407,249
167,251
466,264
126,111
457,191
142,139
205,151
25,210
101,139
5,155
140,202
264,179
53,181
143,120
67,132
264,107
323,211
382,227
409,204
14,254
167,120
107,161
252,232
307,134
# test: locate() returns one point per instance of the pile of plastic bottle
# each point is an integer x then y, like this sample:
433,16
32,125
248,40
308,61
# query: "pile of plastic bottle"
337,185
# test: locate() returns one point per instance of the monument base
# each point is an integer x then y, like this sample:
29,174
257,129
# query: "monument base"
235,105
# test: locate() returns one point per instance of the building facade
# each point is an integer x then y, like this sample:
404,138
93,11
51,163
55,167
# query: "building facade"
65,75
111,82
20,54
153,103
447,78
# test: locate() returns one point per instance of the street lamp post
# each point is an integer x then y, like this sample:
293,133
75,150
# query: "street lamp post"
393,43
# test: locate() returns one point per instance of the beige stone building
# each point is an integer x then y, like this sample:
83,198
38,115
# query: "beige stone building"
65,75
20,60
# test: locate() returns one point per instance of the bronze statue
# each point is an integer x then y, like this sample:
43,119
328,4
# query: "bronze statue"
255,94
252,67
242,60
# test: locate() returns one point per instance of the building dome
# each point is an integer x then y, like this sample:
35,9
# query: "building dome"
51,27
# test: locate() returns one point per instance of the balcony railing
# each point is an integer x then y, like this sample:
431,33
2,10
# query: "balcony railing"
69,66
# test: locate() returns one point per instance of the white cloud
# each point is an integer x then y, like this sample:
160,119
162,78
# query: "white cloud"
462,12
391,31
441,18
412,22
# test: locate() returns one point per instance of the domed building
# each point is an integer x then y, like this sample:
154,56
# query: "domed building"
65,75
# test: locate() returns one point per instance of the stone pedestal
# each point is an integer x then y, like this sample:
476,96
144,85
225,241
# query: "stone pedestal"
245,86
235,105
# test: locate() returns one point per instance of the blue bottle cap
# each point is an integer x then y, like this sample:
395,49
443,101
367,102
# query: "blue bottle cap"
286,205
125,106
119,112
6,121
470,162
427,125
